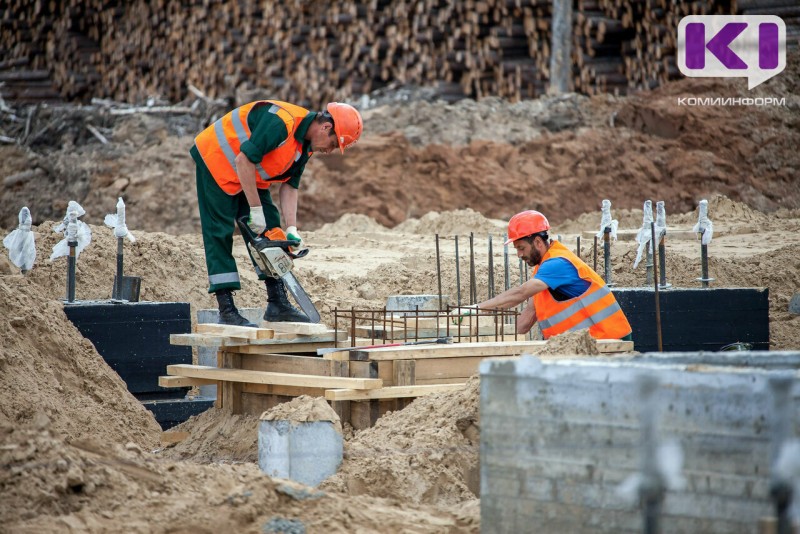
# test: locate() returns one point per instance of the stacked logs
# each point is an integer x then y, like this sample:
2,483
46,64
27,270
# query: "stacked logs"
310,53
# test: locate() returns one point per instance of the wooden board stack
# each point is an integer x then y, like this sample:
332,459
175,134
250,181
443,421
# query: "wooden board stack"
259,368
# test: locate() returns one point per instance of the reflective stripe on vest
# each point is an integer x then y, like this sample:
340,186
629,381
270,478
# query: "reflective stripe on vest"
596,309
219,146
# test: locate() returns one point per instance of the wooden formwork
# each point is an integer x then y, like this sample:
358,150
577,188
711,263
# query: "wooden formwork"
257,371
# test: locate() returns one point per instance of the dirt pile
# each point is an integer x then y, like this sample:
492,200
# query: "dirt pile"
570,344
49,485
426,453
48,371
216,436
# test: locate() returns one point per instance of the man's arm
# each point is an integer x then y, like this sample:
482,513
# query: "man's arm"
247,177
526,318
288,195
515,296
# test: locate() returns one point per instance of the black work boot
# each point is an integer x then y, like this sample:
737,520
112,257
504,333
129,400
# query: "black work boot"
279,309
228,314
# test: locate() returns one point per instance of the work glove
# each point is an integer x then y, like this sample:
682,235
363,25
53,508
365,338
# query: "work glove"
293,235
256,221
460,313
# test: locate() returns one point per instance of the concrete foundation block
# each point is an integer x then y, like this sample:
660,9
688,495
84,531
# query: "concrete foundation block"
559,437
306,452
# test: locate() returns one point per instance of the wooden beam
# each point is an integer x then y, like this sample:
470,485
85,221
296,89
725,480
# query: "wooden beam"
304,329
287,363
284,391
234,331
281,346
261,377
460,350
183,381
392,392
205,340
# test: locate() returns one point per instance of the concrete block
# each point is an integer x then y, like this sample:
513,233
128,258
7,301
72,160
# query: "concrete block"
794,304
572,431
409,304
208,355
306,452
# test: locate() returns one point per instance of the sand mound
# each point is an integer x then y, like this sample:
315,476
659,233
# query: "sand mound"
49,370
426,453
451,223
578,343
216,436
51,486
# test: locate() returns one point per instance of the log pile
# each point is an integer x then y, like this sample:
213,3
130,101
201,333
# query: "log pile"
310,54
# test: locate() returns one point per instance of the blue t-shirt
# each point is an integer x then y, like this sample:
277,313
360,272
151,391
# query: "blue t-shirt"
562,279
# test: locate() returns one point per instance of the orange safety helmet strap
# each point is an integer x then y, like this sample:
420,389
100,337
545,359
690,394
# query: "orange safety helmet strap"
526,223
347,124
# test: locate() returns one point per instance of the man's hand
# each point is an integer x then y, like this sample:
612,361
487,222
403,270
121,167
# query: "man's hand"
463,311
257,222
293,235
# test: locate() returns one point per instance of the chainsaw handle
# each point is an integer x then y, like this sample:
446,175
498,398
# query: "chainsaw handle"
249,235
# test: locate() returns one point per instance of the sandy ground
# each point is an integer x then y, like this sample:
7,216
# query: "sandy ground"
61,404
81,454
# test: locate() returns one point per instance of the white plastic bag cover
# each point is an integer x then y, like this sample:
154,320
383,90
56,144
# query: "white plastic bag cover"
704,228
82,232
20,242
606,221
117,222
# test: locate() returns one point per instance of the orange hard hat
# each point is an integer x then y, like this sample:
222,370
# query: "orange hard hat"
347,123
526,223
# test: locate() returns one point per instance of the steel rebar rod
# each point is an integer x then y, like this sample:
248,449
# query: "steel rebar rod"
704,264
71,261
491,268
473,287
662,263
458,276
578,248
118,284
607,254
655,286
594,252
439,271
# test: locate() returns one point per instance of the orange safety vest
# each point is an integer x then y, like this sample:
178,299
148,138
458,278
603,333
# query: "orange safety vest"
220,143
596,309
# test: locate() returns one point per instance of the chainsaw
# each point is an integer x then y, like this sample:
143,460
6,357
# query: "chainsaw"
273,254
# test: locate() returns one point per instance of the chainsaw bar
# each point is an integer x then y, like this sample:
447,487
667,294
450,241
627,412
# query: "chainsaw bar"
300,295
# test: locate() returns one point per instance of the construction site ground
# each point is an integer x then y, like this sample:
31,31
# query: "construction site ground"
80,453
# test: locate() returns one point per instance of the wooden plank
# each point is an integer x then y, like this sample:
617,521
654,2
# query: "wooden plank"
175,436
364,413
491,348
205,340
411,334
342,408
231,391
234,331
392,392
403,374
304,329
282,347
239,376
434,381
286,337
439,368
183,381
285,391
287,363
